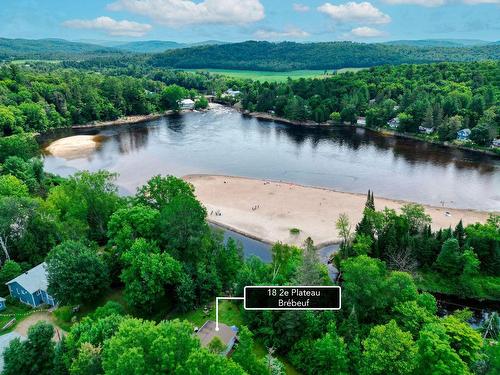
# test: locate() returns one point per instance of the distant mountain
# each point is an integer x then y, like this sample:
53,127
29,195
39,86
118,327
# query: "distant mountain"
439,42
155,46
49,49
330,55
149,46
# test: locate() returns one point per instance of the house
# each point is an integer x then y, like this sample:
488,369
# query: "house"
187,104
2,304
423,129
463,134
232,92
31,287
393,123
495,142
5,342
361,121
226,334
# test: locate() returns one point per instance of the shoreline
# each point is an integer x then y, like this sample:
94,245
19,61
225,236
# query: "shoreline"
266,210
263,116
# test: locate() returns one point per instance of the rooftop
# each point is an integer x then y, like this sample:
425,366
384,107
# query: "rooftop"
34,279
207,333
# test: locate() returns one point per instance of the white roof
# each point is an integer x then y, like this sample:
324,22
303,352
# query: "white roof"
5,342
187,101
34,279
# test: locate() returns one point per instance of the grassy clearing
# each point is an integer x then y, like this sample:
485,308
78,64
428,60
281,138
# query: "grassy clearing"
64,315
230,314
16,310
273,76
479,287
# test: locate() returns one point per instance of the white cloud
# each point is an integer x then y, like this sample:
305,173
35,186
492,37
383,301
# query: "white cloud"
474,2
290,33
366,32
111,26
301,8
355,12
425,3
176,13
437,3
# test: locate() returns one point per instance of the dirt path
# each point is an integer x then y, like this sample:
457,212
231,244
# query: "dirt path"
23,326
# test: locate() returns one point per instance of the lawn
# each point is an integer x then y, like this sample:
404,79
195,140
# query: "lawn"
64,314
273,76
14,310
230,314
478,287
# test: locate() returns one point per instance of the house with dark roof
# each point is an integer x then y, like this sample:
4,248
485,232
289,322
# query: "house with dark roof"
227,335
31,287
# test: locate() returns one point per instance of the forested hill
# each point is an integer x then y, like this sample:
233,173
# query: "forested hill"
331,55
50,49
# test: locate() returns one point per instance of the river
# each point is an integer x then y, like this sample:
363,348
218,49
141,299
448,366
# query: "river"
222,141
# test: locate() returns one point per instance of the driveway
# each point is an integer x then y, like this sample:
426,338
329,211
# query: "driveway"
23,326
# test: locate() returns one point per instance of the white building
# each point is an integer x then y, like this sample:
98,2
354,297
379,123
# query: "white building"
187,104
233,93
393,123
425,130
361,121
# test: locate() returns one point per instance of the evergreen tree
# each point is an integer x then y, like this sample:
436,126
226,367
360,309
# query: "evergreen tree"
459,233
449,261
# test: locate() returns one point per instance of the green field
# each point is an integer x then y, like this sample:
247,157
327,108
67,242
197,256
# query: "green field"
273,76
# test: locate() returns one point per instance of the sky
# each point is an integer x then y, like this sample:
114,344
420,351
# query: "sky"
238,20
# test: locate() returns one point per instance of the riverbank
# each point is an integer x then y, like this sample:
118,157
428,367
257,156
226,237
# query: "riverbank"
126,120
386,132
271,210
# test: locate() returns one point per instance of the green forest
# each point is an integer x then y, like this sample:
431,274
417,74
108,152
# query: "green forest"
445,97
300,56
156,251
129,271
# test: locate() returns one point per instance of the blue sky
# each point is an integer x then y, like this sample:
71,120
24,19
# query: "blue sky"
237,20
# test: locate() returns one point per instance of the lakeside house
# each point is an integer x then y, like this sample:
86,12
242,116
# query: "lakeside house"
463,134
31,287
2,304
5,341
495,142
227,335
361,121
424,130
393,123
232,93
187,104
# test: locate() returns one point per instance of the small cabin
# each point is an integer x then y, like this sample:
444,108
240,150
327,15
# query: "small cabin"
463,134
425,130
495,142
31,287
232,93
227,335
393,123
187,104
3,306
361,121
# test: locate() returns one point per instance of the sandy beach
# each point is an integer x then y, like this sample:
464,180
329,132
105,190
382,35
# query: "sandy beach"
267,210
74,147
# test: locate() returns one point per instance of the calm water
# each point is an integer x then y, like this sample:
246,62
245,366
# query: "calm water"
222,141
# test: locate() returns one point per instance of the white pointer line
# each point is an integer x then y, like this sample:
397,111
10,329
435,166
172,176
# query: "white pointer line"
217,308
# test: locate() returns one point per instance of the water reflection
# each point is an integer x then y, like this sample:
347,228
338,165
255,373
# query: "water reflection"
224,142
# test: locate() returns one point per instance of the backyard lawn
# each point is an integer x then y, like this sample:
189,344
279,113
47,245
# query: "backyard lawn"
274,76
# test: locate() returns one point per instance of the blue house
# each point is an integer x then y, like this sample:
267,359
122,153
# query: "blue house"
31,287
463,135
2,304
